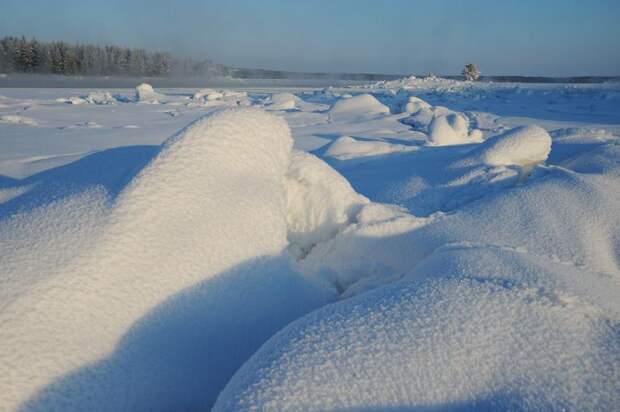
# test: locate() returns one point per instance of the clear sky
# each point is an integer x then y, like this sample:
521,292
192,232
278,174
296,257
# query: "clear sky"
528,37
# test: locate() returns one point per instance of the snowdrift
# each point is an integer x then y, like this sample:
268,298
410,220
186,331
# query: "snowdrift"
320,202
18,119
446,344
165,278
444,126
289,102
282,101
146,94
523,318
522,146
225,267
357,107
346,148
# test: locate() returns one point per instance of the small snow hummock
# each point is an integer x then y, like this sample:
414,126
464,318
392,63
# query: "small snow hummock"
282,101
97,97
522,146
146,94
445,127
414,104
451,129
18,119
207,95
360,106
346,148
100,98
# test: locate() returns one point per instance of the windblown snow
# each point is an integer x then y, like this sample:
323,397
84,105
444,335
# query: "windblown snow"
421,244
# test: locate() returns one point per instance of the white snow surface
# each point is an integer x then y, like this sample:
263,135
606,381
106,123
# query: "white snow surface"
18,119
346,148
522,146
124,319
360,106
146,94
444,246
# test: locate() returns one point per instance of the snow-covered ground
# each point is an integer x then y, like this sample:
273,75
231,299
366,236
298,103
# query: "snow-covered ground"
420,244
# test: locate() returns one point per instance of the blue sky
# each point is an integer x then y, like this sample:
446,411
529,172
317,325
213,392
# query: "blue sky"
544,37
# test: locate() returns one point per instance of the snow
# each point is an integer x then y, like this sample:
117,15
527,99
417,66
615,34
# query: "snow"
146,94
416,244
521,146
18,119
282,101
415,104
360,106
444,126
100,98
346,147
320,202
122,293
447,344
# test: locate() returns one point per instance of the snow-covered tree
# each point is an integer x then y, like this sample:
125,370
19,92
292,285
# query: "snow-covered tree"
471,72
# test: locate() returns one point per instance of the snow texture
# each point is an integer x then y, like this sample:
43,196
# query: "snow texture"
146,94
360,106
164,278
446,245
18,119
521,146
346,148
320,202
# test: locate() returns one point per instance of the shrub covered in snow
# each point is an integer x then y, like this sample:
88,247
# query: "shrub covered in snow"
471,72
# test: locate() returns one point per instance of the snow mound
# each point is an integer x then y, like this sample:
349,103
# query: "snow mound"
444,126
290,102
18,119
464,344
282,101
604,159
85,125
418,83
320,202
346,147
360,106
166,277
100,98
75,100
207,94
450,129
415,104
146,94
522,146
97,97
523,318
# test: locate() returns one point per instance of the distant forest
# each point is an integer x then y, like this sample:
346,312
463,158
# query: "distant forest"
32,56
20,55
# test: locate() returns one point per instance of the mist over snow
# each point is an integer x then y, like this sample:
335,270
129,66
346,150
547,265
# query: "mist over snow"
418,244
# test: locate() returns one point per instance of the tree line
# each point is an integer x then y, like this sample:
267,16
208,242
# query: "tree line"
32,56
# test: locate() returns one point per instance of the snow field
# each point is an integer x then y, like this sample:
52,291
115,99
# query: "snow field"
440,258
